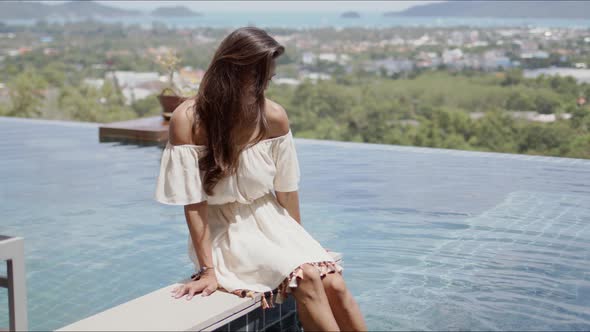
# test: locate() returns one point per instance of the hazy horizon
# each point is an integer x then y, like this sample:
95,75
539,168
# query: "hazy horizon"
261,6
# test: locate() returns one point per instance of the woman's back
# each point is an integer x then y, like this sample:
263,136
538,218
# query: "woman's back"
181,132
270,164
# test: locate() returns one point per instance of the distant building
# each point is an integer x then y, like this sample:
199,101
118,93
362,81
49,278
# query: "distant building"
308,58
396,41
188,78
96,83
48,51
133,94
479,43
495,59
153,86
284,39
132,78
422,41
456,38
529,116
24,50
580,75
201,39
314,77
286,81
427,60
160,50
136,85
534,55
391,66
452,56
329,57
341,59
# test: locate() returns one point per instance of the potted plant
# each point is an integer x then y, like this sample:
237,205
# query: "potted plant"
170,96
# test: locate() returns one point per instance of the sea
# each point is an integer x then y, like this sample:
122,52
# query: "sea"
315,19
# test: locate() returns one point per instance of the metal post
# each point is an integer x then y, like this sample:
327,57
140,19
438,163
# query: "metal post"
12,250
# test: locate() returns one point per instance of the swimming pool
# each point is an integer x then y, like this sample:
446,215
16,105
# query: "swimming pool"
432,239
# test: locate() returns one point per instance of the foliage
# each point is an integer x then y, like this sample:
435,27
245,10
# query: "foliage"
442,110
86,103
149,106
26,93
169,62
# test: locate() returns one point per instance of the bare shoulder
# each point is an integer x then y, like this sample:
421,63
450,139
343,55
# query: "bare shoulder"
278,119
180,125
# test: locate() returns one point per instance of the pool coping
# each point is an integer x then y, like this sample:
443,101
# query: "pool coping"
158,310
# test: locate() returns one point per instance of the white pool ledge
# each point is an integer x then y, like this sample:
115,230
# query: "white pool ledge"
159,311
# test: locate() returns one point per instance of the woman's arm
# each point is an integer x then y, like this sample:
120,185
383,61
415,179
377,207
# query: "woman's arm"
196,219
180,132
280,122
290,201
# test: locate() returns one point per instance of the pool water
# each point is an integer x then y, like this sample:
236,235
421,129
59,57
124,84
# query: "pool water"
432,239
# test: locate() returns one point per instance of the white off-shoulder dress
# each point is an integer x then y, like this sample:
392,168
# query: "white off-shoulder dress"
257,246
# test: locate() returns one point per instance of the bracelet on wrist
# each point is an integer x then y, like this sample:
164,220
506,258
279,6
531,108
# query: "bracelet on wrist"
203,269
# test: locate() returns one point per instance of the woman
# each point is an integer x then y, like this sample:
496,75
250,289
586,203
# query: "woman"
229,148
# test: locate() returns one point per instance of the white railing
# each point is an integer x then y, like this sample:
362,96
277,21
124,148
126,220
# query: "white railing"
12,250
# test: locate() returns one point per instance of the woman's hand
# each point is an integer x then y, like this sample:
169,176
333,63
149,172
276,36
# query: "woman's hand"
207,284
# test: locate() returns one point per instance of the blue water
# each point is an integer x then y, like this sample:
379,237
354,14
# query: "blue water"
315,19
432,239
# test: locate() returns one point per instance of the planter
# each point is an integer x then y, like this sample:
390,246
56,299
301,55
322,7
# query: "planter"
169,104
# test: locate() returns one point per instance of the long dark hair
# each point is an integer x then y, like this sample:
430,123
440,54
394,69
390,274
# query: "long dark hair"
241,68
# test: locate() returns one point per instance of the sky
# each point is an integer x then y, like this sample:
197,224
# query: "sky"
260,6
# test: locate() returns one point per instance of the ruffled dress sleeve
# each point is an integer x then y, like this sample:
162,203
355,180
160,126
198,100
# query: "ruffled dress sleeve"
287,174
179,181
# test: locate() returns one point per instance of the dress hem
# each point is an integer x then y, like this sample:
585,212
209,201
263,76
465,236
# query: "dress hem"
284,289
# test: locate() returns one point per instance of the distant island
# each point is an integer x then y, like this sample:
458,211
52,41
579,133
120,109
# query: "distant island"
350,15
500,9
174,11
76,9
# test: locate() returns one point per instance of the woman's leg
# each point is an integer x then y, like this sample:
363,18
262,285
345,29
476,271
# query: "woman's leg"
344,307
313,307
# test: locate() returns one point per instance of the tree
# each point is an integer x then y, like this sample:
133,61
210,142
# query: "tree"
54,74
512,77
26,94
147,106
86,103
546,104
579,147
496,131
519,101
550,139
80,104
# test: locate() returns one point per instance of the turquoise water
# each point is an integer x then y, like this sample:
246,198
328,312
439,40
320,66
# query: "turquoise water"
432,239
314,19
